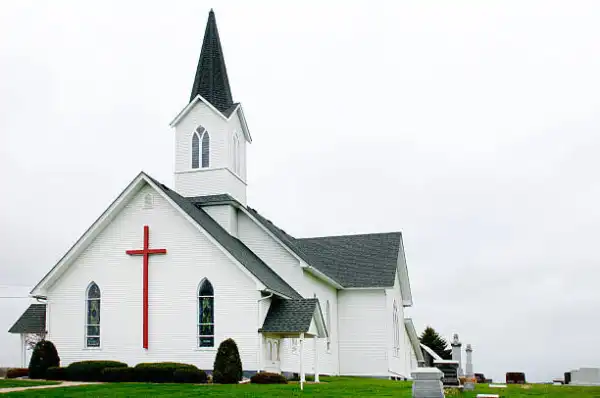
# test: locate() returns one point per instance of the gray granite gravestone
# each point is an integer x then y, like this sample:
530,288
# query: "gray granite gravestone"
427,383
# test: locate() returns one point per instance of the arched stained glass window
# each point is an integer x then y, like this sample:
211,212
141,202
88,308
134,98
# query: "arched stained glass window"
206,315
195,150
92,325
205,149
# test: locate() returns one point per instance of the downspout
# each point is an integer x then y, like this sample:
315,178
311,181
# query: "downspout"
260,355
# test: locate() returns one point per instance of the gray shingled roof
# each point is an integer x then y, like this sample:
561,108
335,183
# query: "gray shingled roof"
289,316
366,260
211,80
208,200
233,245
33,320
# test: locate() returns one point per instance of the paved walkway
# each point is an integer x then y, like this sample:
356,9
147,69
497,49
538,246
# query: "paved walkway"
62,384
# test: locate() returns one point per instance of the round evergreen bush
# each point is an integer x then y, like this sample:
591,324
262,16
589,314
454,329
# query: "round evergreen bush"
228,365
44,356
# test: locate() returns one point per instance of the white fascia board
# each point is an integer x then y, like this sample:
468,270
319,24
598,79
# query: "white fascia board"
243,122
191,105
89,235
414,338
405,290
319,321
319,275
238,110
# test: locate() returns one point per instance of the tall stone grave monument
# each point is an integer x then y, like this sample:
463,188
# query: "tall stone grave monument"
470,383
457,354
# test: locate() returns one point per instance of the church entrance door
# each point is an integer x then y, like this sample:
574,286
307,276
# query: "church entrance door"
273,364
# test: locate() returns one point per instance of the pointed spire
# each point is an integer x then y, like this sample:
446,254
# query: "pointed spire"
211,80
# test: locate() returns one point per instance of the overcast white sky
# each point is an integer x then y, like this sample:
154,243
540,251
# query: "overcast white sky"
470,126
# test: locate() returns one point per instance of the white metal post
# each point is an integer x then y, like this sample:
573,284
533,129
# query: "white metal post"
316,341
23,351
302,376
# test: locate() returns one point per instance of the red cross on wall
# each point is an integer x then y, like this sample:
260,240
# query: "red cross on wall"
146,252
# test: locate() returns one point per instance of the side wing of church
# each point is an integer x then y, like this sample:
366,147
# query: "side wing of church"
167,274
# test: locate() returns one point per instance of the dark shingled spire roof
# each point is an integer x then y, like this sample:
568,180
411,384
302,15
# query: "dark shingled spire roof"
211,80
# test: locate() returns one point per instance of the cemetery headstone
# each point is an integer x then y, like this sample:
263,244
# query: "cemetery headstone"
515,378
427,383
585,377
470,381
456,353
450,370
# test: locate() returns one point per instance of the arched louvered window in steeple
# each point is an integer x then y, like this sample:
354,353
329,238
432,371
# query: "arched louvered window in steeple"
200,148
206,314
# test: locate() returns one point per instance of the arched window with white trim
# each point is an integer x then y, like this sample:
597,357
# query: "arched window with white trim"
206,314
200,148
92,318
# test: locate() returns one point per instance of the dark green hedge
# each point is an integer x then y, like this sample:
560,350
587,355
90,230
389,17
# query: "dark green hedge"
160,372
13,373
268,378
56,373
90,370
118,374
184,375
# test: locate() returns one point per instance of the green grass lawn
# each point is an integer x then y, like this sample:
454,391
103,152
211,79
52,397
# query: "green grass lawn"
331,387
7,383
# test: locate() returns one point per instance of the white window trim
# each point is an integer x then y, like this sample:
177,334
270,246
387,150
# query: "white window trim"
198,323
86,324
237,161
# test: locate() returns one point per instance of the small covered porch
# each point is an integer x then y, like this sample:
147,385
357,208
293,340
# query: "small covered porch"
31,326
300,319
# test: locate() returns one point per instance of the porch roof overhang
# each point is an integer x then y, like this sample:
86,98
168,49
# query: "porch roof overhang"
292,318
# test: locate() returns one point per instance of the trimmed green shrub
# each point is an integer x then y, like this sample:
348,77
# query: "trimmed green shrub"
90,370
44,356
13,373
159,372
268,378
118,374
56,373
228,365
185,375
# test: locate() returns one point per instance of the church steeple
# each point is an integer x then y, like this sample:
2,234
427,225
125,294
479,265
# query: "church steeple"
211,80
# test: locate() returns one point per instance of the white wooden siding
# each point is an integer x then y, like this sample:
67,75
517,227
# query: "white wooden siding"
213,180
363,338
400,364
173,283
271,252
225,215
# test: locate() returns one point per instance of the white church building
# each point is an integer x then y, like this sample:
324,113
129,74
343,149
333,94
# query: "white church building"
167,274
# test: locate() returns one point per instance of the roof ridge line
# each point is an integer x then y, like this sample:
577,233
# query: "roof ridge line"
350,235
